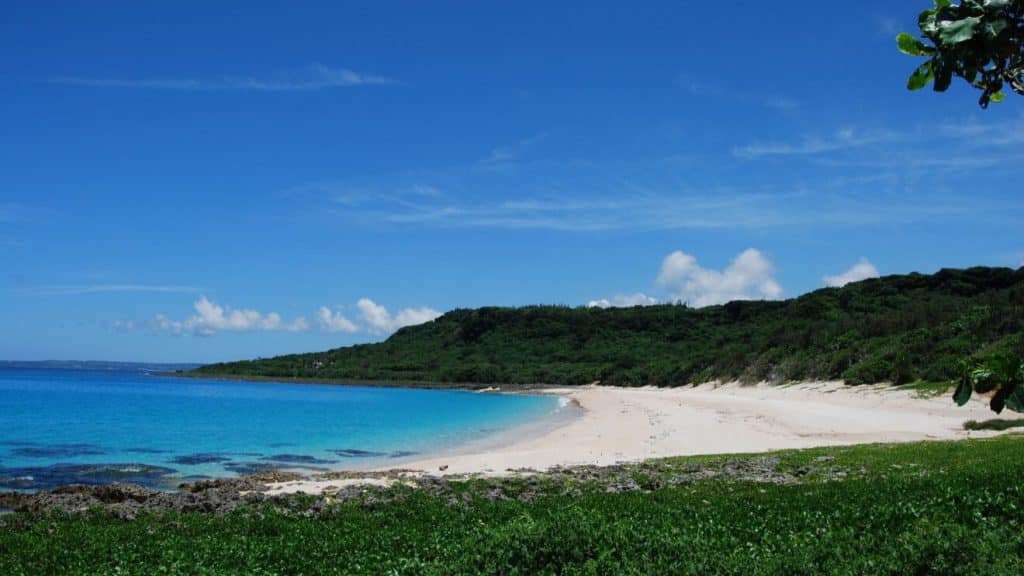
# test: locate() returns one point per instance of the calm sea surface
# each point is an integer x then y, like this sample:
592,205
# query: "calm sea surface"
61,426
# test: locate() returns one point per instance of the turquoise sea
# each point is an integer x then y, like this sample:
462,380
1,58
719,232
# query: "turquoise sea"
127,424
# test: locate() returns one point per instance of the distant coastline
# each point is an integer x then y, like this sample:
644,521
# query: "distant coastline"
425,385
104,365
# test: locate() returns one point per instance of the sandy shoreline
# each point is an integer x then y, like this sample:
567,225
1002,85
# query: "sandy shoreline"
631,424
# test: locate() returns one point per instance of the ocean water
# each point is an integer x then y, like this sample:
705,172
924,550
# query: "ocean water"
91,426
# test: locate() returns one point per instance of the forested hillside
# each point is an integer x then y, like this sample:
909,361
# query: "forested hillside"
897,328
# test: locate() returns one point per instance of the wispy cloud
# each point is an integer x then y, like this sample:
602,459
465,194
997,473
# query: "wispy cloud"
511,152
498,155
843,139
729,209
782,103
988,135
855,176
310,78
887,27
700,88
102,288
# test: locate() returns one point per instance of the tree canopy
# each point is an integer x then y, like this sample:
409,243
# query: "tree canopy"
981,41
892,329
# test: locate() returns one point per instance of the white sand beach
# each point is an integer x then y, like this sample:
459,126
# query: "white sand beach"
617,425
630,424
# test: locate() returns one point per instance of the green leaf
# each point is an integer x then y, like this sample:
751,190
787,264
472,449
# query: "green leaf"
926,22
943,76
996,4
943,3
912,46
1015,401
996,27
999,399
920,78
963,393
984,380
958,31
998,97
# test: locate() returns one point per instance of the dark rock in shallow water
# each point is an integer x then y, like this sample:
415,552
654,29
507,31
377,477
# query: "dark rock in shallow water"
48,477
356,453
193,459
109,493
126,500
402,454
247,468
30,450
297,459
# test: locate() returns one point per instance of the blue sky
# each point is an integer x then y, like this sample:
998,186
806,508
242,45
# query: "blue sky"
203,181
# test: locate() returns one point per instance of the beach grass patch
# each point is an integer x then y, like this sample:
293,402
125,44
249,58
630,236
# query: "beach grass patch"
924,507
994,424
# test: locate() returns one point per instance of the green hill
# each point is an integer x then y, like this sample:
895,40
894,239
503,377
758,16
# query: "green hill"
897,329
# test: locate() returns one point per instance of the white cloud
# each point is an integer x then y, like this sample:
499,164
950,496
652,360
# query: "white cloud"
414,316
749,276
315,77
334,322
378,320
161,323
210,318
862,270
374,315
624,301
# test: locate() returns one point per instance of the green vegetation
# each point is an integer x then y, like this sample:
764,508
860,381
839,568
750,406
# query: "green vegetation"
924,508
897,329
994,424
981,41
1001,375
924,389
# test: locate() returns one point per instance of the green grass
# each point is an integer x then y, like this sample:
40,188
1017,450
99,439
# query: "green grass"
926,389
923,508
994,424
